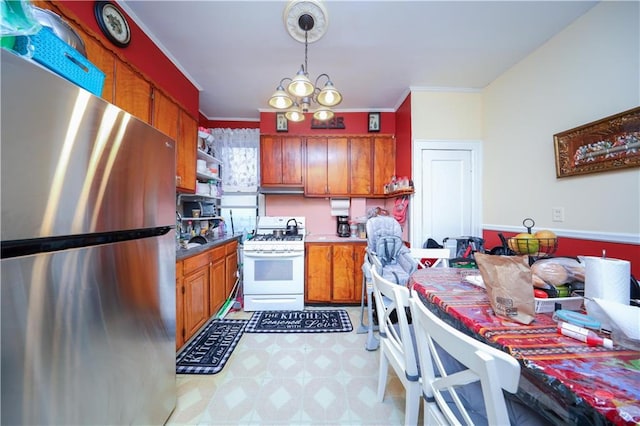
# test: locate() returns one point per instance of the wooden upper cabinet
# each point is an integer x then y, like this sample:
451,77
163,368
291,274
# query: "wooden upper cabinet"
360,166
316,178
132,92
166,115
338,166
105,61
384,162
327,166
281,160
186,153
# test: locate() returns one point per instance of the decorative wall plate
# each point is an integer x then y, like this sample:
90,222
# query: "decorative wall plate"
113,23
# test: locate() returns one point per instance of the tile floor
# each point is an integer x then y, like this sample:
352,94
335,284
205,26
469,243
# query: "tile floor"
292,379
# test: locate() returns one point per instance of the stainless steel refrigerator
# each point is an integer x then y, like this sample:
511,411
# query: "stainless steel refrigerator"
88,257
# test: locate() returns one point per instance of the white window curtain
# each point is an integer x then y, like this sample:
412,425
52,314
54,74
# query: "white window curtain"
238,151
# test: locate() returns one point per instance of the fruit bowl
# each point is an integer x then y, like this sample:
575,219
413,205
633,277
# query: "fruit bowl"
538,244
533,246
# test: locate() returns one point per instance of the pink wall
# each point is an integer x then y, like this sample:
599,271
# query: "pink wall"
317,211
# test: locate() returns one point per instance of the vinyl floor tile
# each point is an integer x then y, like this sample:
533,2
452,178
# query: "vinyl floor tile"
292,379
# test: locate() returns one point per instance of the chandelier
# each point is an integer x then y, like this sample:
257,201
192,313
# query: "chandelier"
300,92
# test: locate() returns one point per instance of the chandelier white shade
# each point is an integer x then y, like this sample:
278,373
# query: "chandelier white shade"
299,93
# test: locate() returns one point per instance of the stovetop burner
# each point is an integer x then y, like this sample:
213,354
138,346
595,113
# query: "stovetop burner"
272,237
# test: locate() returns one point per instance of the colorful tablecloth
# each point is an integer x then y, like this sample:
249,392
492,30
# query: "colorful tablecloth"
565,379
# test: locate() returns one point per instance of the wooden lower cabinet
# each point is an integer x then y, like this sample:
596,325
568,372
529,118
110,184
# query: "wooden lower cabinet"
201,288
179,306
217,277
334,272
231,266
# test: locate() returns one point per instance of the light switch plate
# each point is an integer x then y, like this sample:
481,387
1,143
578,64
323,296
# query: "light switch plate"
557,214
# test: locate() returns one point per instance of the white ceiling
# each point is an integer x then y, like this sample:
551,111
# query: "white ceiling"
236,52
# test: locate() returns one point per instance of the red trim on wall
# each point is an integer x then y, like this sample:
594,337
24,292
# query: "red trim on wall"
573,247
354,122
403,138
144,55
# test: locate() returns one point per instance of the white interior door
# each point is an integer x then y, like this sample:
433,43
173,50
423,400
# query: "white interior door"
447,200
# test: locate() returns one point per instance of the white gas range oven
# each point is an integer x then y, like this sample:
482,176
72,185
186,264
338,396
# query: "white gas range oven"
273,265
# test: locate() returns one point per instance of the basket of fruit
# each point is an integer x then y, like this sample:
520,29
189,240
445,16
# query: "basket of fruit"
540,243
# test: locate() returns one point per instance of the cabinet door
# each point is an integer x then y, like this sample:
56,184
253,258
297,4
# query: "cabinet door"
360,164
384,162
338,166
104,60
358,255
217,279
186,153
343,273
196,300
292,157
166,114
231,266
316,179
132,92
318,272
270,160
179,307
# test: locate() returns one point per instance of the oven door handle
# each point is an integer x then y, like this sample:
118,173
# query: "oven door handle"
271,254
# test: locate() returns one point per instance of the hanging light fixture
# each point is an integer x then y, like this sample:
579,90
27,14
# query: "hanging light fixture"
301,17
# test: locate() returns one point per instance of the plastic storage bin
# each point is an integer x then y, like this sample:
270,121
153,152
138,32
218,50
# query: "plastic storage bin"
573,303
49,50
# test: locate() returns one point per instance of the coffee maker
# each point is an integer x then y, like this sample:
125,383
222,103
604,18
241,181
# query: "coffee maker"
343,226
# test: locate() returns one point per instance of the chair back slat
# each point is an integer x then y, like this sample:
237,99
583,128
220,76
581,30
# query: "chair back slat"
494,369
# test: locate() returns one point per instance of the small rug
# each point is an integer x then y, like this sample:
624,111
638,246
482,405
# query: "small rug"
210,350
312,321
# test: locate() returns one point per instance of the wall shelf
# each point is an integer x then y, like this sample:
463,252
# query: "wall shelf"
400,193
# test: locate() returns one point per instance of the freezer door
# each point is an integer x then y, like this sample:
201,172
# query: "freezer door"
88,335
74,164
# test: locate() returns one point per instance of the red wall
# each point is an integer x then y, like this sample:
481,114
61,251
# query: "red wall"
145,56
403,138
354,122
573,247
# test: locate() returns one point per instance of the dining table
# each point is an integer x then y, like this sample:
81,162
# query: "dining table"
564,379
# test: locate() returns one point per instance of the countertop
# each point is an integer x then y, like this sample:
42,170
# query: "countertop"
332,238
183,253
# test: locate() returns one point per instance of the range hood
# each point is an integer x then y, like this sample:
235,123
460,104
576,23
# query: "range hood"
281,190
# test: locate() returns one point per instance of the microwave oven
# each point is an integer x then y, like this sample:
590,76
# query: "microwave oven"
207,209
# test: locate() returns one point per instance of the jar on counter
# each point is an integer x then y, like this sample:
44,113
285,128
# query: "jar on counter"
362,230
353,228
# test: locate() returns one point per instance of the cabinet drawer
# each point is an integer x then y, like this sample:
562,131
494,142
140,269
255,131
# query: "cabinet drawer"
217,253
195,262
231,247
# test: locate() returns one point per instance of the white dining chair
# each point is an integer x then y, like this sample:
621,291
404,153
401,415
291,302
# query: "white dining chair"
396,343
431,257
444,403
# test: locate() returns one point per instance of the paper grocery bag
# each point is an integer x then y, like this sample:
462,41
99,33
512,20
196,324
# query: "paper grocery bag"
509,286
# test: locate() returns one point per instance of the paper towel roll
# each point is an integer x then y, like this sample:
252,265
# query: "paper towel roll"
340,207
607,279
